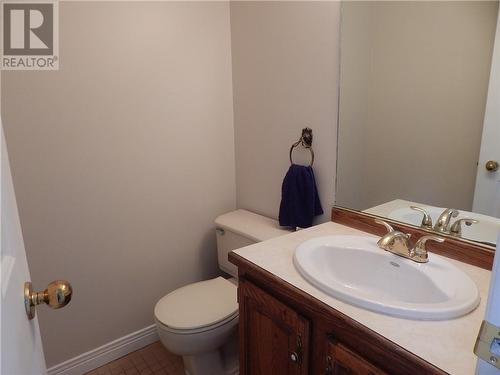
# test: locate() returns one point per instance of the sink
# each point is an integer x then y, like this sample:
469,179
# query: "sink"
485,231
355,270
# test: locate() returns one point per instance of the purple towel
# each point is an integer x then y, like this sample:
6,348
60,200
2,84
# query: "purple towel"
299,198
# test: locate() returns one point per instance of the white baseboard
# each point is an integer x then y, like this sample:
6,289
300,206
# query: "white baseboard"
108,352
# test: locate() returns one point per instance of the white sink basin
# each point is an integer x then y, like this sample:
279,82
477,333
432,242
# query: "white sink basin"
355,270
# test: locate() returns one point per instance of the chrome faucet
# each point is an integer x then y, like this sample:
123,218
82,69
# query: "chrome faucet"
394,241
398,243
443,221
443,224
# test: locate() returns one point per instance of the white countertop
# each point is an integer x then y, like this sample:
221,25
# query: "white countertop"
385,209
446,344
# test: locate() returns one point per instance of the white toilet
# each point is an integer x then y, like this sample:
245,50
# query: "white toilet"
199,321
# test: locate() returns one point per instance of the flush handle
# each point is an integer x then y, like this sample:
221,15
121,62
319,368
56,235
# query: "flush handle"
57,295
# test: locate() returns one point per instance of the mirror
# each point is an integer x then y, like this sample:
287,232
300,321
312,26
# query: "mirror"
419,115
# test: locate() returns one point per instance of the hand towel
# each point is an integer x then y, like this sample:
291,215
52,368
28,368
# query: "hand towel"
299,198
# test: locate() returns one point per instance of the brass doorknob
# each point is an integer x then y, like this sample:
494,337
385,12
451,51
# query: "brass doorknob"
57,295
492,165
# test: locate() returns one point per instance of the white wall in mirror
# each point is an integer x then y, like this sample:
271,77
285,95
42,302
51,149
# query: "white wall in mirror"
414,81
413,92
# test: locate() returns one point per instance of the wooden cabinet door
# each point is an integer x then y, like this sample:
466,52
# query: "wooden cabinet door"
274,339
343,361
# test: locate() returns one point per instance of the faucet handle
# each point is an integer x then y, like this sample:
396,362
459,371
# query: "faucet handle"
419,252
391,230
386,225
426,220
456,228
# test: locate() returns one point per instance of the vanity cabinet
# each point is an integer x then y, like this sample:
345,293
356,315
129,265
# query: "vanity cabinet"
274,338
341,360
284,331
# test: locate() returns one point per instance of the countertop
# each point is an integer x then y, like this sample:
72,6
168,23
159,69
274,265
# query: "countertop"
446,344
385,209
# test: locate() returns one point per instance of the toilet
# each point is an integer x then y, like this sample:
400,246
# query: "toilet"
199,321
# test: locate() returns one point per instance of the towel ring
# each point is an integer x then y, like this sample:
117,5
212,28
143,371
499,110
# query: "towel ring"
306,141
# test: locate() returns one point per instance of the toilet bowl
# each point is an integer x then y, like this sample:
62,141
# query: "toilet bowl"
196,321
199,321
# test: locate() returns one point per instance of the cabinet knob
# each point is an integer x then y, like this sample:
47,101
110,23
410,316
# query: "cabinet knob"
294,357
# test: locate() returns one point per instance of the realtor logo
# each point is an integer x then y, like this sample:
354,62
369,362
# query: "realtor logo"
30,35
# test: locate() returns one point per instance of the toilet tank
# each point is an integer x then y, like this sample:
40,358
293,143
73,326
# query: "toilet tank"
242,228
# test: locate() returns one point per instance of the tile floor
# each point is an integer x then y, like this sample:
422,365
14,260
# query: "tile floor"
153,359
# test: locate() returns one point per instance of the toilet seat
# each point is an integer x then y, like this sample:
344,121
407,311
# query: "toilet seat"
231,320
198,307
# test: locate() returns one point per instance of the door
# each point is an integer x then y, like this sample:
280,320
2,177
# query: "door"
487,191
274,339
342,361
21,346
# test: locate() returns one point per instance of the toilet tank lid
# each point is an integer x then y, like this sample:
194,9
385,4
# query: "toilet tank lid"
251,225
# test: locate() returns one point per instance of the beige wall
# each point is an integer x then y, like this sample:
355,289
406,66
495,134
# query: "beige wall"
413,92
121,160
285,76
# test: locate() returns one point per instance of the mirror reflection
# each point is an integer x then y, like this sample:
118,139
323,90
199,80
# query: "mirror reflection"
419,125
